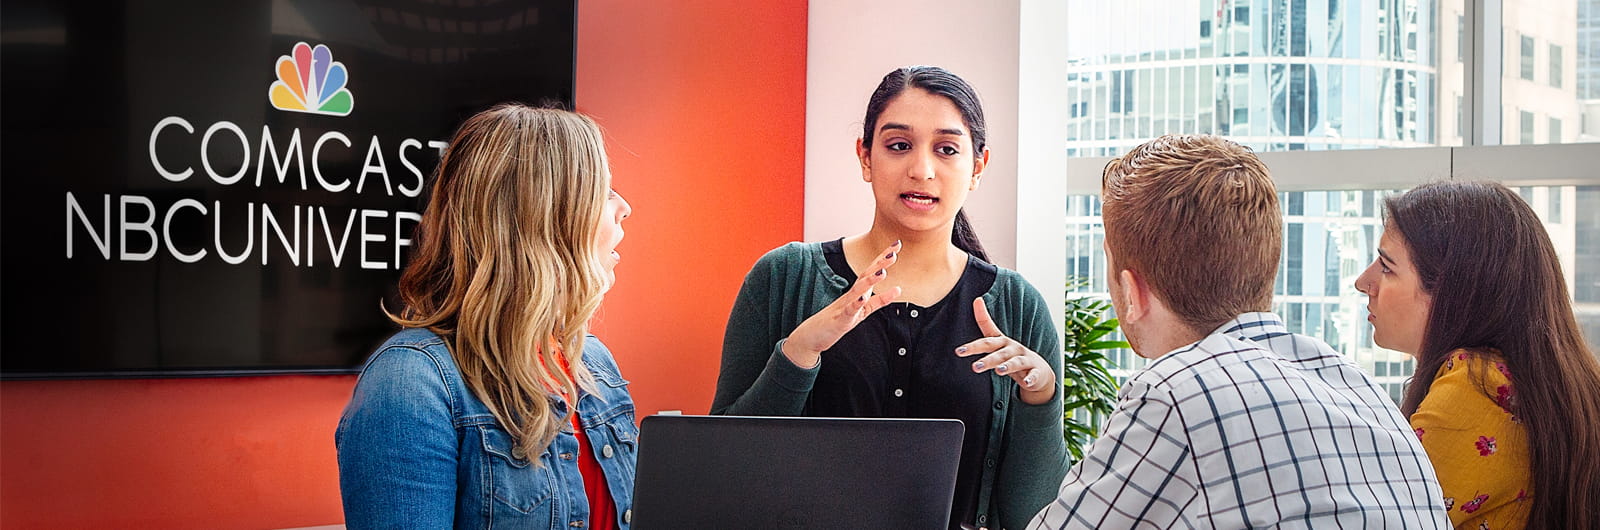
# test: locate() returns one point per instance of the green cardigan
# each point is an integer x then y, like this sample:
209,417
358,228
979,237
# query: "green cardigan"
1026,458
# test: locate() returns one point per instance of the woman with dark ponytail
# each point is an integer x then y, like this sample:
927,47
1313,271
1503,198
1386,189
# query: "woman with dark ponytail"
826,329
1506,397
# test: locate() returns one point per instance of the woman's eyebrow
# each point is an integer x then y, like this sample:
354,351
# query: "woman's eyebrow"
904,127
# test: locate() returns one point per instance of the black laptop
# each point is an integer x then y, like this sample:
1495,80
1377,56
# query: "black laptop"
786,472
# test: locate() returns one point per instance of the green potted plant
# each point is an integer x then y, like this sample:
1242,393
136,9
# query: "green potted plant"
1088,390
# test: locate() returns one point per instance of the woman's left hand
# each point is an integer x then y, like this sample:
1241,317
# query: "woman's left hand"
1007,357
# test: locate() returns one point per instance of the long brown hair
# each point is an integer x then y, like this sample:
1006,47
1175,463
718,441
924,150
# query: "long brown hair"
505,268
1496,282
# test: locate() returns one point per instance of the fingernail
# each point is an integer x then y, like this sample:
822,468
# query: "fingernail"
962,350
977,366
1000,369
862,297
1027,381
879,273
897,242
889,256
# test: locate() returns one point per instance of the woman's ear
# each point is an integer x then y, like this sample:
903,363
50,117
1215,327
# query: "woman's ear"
978,164
864,156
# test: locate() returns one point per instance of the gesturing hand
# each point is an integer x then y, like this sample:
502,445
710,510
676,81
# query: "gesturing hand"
1009,358
817,333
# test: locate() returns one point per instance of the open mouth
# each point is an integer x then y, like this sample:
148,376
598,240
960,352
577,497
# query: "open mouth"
922,200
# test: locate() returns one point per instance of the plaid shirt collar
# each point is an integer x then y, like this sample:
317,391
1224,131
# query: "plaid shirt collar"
1253,327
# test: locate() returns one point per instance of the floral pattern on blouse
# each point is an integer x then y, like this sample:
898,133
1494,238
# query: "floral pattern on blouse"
1485,445
1478,447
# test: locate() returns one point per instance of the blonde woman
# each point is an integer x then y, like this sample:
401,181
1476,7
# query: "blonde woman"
465,418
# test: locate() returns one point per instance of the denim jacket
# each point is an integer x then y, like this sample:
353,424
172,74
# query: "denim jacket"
417,449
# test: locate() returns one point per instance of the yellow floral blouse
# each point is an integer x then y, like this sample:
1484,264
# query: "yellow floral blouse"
1478,447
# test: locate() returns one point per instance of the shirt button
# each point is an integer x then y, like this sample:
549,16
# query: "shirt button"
999,405
607,451
902,352
899,392
519,453
566,456
988,462
627,516
576,524
913,313
983,519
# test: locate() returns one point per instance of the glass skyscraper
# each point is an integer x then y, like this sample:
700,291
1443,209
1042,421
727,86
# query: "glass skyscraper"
1272,74
1281,75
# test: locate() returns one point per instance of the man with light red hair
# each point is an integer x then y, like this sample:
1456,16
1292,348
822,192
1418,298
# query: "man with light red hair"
1235,422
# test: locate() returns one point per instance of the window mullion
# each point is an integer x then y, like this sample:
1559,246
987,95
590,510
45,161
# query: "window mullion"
1484,65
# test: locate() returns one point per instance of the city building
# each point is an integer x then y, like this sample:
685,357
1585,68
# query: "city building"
1292,75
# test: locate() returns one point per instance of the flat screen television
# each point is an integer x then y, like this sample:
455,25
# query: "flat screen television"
196,188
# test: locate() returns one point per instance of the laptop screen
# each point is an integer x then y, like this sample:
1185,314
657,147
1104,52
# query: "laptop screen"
793,472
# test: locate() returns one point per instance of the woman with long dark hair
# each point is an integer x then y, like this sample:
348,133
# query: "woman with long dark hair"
827,329
1506,397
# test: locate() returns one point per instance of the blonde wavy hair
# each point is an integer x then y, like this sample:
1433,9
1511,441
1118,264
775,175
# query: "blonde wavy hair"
504,267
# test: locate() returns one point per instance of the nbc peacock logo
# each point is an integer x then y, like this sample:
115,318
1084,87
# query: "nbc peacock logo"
311,81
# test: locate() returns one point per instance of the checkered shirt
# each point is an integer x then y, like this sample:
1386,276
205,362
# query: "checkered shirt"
1251,426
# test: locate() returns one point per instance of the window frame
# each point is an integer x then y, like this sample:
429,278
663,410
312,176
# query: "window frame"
1482,156
1042,245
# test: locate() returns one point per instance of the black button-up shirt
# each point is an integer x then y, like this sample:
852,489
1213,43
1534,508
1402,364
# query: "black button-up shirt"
900,362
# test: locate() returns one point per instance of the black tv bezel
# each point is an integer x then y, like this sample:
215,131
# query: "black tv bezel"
568,100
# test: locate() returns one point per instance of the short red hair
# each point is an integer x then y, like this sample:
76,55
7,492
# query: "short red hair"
1197,217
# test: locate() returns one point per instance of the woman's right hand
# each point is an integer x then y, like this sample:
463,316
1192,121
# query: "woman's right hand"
806,343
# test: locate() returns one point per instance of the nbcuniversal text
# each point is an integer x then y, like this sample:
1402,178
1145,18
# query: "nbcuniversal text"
368,238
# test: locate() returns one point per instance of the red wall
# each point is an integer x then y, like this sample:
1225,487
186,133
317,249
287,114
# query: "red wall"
703,103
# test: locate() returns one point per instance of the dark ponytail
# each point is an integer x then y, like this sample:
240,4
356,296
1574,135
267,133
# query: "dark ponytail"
965,238
940,82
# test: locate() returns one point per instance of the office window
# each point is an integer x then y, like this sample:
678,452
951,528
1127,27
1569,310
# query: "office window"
1588,50
1527,58
1555,69
1294,259
1551,68
1364,75
1586,272
1526,138
1277,77
1553,211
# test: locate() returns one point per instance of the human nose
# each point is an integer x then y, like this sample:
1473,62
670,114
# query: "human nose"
624,209
1364,279
922,166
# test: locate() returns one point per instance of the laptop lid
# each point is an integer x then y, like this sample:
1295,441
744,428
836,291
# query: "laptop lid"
793,472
